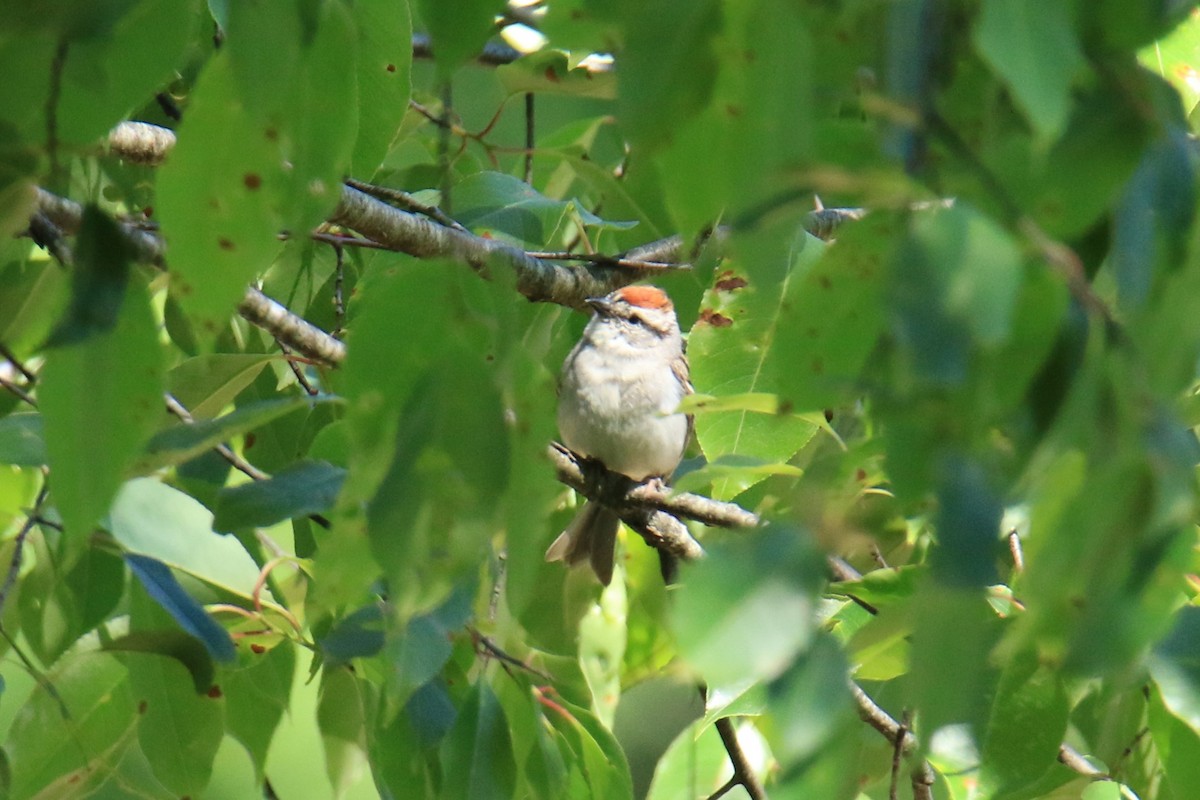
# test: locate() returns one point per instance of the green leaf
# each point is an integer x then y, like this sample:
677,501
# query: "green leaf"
1175,667
1177,743
602,638
1027,722
955,631
218,203
341,715
165,590
811,726
206,385
45,747
478,750
185,441
766,580
458,30
732,349
652,715
184,648
257,697
1034,49
307,487
21,440
694,764
152,519
551,72
419,652
668,65
835,314
495,204
321,120
600,769
99,283
753,132
384,79
357,635
91,443
117,54
180,728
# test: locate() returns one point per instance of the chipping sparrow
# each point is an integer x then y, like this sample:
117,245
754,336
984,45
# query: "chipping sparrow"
617,400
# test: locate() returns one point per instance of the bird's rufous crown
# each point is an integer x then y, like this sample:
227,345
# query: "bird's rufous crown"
645,297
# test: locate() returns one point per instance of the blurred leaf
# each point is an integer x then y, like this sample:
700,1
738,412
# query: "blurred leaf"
205,385
957,292
551,72
180,727
217,202
1027,722
491,203
732,349
419,652
90,444
668,66
183,647
164,589
1177,743
1153,217
99,281
652,715
834,314
1033,47
186,440
257,697
358,634
117,53
307,487
44,747
744,587
955,631
693,763
384,79
734,155
602,637
21,440
480,748
458,30
151,519
968,526
340,717
1175,667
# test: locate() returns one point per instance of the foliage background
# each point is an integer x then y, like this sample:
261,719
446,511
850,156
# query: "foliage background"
376,620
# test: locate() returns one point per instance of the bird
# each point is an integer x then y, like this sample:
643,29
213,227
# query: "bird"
618,398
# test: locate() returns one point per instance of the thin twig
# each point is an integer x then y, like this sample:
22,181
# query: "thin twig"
1074,760
11,358
20,393
743,773
495,651
339,303
14,566
897,757
1014,547
236,461
529,138
297,372
406,201
606,260
341,240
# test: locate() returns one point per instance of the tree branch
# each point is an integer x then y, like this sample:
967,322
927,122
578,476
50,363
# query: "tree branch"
743,773
654,516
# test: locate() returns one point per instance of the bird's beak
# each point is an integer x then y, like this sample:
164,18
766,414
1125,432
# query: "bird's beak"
602,304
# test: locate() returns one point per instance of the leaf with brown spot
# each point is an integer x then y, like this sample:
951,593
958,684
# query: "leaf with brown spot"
713,318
